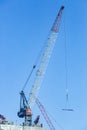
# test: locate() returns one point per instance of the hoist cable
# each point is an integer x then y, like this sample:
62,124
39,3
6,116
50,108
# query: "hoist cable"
67,105
29,77
34,66
57,123
66,66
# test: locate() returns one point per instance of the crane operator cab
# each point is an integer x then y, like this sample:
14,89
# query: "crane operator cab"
25,111
28,117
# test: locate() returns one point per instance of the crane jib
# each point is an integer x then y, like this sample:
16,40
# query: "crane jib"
46,57
42,68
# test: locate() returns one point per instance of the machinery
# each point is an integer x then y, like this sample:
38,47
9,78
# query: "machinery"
2,119
26,105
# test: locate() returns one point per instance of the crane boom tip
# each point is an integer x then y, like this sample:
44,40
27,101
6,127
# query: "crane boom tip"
62,7
55,26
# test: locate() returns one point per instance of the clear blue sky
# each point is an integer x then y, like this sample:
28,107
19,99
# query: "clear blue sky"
24,26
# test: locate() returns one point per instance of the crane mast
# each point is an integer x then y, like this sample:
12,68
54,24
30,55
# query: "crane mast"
25,105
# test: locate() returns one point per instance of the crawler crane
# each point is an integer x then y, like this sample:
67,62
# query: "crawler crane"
25,105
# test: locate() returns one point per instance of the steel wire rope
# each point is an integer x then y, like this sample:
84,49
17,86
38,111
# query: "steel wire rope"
66,69
41,52
67,104
66,64
50,116
58,124
33,68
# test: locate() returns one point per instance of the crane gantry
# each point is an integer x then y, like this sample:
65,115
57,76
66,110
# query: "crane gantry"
25,105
